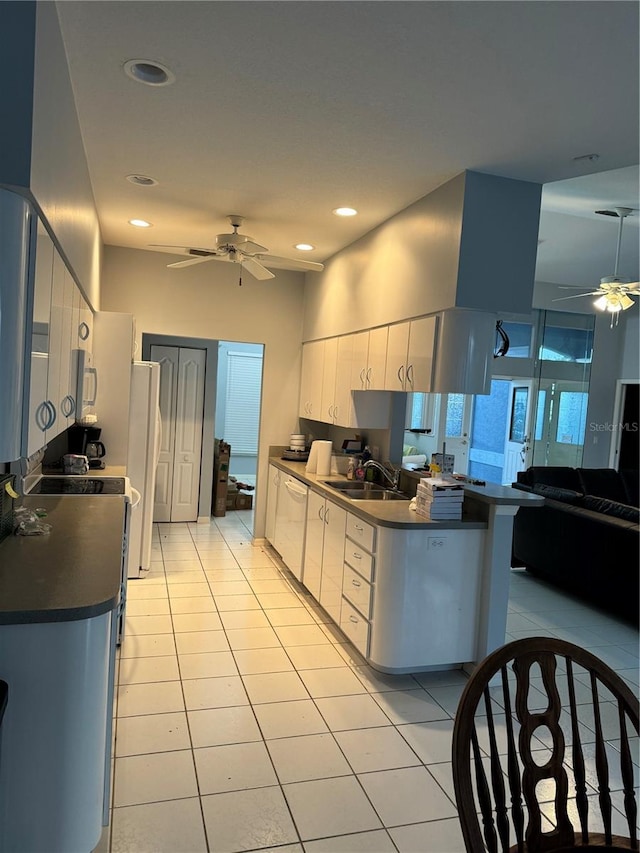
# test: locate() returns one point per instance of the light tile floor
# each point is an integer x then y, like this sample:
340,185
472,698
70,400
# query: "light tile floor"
244,721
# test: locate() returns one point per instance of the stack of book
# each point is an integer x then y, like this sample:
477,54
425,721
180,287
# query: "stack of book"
439,499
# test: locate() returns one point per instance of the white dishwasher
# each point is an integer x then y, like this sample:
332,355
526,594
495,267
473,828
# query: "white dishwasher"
291,512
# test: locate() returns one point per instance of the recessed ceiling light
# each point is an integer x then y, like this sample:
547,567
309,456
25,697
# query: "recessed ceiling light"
345,211
149,72
140,223
142,180
304,247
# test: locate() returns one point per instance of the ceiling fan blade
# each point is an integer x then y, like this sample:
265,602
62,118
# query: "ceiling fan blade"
579,295
633,287
188,250
289,263
251,248
256,269
191,261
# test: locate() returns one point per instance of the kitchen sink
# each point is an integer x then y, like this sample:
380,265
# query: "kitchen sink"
373,495
359,491
354,486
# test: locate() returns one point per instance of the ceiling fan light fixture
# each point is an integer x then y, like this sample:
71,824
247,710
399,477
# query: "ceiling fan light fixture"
304,247
626,301
601,303
345,211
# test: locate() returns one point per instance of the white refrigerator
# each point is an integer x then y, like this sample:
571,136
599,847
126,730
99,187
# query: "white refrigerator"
145,431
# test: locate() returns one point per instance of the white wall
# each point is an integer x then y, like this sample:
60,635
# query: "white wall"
463,245
631,349
205,301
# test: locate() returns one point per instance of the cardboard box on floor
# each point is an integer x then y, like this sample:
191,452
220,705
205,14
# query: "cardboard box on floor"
221,458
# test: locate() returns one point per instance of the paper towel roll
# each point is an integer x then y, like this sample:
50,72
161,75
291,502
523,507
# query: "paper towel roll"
323,464
312,461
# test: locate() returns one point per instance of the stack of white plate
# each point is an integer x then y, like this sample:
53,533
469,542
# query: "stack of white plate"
297,441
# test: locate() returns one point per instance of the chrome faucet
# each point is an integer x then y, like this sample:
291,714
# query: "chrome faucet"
393,477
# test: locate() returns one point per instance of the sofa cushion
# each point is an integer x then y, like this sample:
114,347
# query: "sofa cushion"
559,476
603,482
631,483
567,496
608,507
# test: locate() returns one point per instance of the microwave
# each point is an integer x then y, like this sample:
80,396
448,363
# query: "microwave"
87,389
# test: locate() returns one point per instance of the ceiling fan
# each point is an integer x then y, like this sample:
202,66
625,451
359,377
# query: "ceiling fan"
240,249
614,293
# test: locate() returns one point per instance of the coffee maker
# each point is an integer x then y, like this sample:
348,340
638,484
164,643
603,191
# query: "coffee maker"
84,440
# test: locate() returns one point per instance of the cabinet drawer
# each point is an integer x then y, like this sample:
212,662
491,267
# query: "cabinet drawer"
361,532
355,626
359,559
357,590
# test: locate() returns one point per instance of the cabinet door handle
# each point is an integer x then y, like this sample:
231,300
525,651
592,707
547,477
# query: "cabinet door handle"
331,412
410,374
356,583
335,413
363,377
358,528
40,416
53,414
369,377
326,516
401,375
357,556
83,331
354,620
321,513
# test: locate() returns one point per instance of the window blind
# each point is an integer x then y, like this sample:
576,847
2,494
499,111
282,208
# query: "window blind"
242,407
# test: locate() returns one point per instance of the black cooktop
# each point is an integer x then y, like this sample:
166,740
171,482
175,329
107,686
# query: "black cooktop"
78,486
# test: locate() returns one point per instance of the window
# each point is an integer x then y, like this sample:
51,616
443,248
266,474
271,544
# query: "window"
455,413
572,417
242,403
565,344
542,396
422,411
519,414
519,335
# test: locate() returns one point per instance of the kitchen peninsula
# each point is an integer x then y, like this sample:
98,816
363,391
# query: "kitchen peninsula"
409,593
59,598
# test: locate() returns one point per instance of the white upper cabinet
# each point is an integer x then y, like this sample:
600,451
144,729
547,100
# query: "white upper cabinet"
311,380
369,359
410,350
422,337
328,405
84,329
41,414
397,350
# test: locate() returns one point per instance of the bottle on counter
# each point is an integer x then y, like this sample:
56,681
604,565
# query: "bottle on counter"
360,470
351,468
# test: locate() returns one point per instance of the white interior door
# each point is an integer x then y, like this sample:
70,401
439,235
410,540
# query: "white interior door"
517,448
167,357
188,435
181,408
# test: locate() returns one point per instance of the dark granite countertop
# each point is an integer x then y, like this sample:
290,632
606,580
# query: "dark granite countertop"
397,513
73,572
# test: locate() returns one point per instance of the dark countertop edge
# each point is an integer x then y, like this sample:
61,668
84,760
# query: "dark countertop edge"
297,469
64,512
502,497
74,614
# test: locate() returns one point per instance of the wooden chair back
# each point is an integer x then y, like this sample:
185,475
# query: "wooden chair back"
542,752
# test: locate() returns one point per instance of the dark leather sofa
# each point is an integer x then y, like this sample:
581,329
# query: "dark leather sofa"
585,538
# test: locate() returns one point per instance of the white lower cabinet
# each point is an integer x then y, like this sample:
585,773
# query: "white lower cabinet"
407,598
290,519
272,503
357,587
324,553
